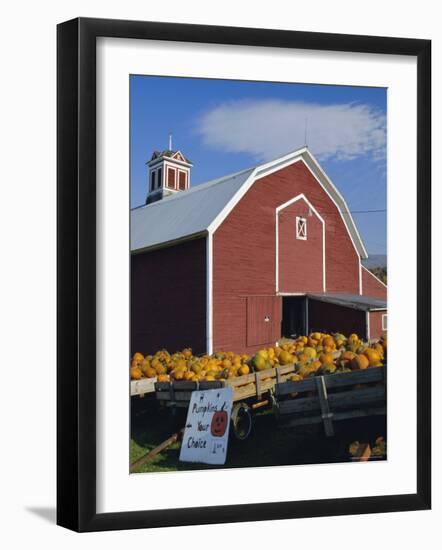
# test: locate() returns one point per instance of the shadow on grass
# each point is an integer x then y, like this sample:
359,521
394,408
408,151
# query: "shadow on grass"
269,444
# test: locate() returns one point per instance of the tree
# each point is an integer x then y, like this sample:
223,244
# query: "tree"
380,272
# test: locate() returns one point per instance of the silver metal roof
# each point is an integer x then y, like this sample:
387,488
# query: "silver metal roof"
185,214
355,301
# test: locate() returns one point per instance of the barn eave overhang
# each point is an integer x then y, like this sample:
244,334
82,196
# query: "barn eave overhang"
356,301
167,244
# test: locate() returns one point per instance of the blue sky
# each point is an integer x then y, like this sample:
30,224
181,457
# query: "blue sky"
226,125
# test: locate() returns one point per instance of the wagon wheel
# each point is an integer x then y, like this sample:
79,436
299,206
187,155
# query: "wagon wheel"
241,420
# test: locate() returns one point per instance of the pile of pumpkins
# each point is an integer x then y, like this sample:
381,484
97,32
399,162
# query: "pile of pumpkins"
183,365
318,353
321,353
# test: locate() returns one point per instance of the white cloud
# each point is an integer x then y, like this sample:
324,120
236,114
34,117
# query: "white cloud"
269,128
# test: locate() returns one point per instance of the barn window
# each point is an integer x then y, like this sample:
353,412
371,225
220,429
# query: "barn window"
160,177
171,178
152,180
182,180
384,321
301,228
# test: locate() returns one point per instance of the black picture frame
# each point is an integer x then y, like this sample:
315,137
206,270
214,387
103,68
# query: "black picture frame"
76,273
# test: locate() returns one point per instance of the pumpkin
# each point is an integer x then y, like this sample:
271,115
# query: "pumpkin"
359,362
326,358
373,357
135,373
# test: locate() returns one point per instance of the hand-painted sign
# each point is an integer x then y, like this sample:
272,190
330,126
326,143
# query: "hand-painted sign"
206,431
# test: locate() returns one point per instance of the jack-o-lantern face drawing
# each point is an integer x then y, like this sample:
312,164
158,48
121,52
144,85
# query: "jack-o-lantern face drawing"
219,423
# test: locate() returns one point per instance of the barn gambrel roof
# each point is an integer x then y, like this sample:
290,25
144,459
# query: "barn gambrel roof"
185,214
203,208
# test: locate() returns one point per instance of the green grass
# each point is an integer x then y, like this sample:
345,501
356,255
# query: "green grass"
268,445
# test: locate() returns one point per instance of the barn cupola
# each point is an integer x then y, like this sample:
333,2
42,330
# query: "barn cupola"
168,173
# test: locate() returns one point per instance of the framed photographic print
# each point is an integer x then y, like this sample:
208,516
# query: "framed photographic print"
243,255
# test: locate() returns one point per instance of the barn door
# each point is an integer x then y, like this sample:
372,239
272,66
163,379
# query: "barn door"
263,320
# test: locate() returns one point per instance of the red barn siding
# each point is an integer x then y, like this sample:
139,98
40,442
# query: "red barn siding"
168,298
323,316
376,323
244,251
300,261
372,286
230,324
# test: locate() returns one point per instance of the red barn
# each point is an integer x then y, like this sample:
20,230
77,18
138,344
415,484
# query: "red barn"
238,262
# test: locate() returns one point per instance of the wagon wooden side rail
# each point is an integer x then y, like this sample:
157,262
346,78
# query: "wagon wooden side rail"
335,397
245,386
250,392
255,385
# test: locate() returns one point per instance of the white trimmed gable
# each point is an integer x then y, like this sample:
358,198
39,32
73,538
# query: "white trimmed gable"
188,207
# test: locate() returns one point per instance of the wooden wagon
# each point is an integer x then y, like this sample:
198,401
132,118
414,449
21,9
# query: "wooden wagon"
250,392
319,399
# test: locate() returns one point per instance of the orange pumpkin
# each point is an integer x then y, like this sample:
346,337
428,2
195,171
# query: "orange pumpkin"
373,357
359,362
135,373
326,358
329,342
